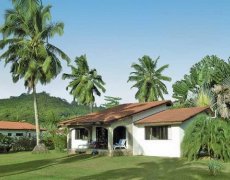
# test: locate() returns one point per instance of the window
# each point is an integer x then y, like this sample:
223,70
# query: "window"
19,134
9,134
81,133
156,132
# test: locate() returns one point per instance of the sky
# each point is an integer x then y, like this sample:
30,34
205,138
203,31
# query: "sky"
115,33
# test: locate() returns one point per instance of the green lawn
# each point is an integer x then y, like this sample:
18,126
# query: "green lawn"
25,165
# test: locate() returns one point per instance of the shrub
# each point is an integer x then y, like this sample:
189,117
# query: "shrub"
60,142
208,137
214,167
48,141
5,143
24,144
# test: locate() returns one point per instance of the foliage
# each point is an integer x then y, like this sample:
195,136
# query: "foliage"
23,144
33,58
111,101
20,108
209,71
60,142
5,143
207,136
148,79
214,167
85,82
204,98
48,141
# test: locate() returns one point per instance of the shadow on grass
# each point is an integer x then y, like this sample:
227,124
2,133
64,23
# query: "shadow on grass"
19,168
173,169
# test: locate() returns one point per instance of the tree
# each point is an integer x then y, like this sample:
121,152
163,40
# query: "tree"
85,82
210,71
111,101
207,136
222,98
149,80
26,34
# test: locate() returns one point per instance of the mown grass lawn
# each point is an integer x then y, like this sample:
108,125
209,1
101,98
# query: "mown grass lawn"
53,165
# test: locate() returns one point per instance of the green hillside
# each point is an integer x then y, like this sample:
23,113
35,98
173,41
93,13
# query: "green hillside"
21,108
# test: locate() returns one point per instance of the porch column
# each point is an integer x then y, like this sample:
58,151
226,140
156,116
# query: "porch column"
69,138
94,133
110,140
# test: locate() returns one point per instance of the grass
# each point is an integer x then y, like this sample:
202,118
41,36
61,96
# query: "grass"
24,165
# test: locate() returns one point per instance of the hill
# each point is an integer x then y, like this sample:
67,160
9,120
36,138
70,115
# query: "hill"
21,108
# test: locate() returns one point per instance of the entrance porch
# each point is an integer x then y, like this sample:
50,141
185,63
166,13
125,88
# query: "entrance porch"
99,137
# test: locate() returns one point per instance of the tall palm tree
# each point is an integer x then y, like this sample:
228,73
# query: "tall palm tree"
85,82
148,80
27,48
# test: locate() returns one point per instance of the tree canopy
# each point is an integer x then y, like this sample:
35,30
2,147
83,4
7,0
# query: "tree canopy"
85,82
148,80
209,71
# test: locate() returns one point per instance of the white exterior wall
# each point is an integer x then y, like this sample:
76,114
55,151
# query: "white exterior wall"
167,148
164,148
25,132
76,142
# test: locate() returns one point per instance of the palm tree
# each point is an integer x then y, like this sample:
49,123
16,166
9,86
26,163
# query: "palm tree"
148,80
84,82
26,40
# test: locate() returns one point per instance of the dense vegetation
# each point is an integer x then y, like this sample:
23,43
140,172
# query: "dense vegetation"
21,108
207,137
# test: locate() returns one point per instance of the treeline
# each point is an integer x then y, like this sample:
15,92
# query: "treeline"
21,108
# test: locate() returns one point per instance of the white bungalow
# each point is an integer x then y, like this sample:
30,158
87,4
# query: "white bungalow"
150,129
17,129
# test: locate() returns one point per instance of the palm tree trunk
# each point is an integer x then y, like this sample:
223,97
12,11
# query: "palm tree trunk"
36,116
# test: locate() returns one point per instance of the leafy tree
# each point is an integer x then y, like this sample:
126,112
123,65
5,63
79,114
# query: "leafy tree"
85,82
111,101
26,34
207,136
205,97
209,71
148,79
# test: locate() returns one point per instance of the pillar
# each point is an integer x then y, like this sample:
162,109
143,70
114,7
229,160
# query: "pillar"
110,140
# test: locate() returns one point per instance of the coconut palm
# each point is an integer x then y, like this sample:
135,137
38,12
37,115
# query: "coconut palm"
149,80
27,48
85,82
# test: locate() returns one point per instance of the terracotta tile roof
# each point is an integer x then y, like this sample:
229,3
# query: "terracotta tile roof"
16,125
114,113
172,115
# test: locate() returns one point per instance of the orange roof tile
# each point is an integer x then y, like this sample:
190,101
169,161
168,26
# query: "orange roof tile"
114,113
16,125
172,115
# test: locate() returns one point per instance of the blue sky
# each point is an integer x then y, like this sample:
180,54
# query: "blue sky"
115,33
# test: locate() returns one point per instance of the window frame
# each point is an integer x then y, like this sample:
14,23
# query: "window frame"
17,134
154,131
83,136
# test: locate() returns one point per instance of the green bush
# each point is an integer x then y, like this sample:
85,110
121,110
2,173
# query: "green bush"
214,167
60,142
24,144
206,136
48,141
5,143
